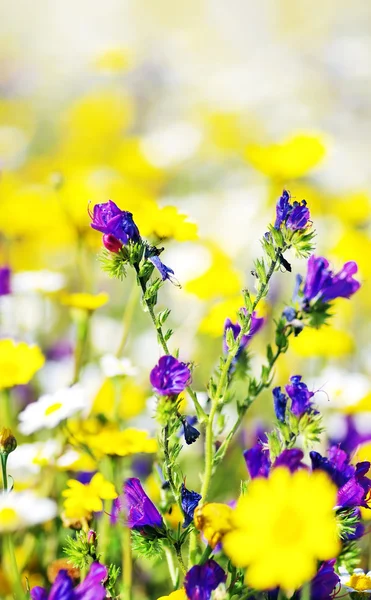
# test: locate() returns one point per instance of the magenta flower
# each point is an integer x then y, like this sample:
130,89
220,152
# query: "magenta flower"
322,284
91,588
109,219
170,376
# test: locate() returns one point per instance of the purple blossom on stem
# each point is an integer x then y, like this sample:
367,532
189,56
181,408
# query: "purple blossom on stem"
165,272
300,396
352,438
201,580
189,500
280,403
322,284
62,588
191,434
140,511
109,219
259,465
170,376
255,326
294,216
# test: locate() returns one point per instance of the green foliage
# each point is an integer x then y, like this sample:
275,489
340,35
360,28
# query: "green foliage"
147,548
113,573
114,263
80,553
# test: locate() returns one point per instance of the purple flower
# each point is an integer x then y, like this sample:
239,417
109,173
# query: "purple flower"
353,485
300,396
191,434
165,272
189,500
108,218
170,376
322,284
255,326
5,288
324,582
91,588
290,458
257,461
141,513
280,403
294,216
201,580
352,438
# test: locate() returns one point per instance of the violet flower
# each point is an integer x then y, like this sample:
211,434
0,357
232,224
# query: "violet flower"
255,326
109,219
191,434
352,438
322,284
294,216
62,588
170,376
259,465
201,580
300,396
5,286
189,501
141,513
353,485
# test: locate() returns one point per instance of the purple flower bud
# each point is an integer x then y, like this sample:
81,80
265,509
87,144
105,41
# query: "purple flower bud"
189,500
255,326
108,218
5,288
324,582
294,216
257,461
280,403
165,272
170,376
191,434
62,588
111,242
140,510
290,458
201,580
300,396
322,284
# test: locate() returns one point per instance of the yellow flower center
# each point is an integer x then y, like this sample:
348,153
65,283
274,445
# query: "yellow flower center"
53,408
360,582
8,516
288,527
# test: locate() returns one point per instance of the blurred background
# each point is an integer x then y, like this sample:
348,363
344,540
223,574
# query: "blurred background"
194,116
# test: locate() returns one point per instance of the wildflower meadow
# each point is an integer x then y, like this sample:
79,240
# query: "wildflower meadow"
185,371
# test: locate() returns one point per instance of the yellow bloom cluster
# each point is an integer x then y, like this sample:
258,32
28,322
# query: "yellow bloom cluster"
82,500
18,362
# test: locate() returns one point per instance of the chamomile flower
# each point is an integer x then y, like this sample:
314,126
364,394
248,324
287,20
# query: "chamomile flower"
358,581
19,510
29,459
51,409
113,366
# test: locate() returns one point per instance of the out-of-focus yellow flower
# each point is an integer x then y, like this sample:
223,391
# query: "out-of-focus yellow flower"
168,223
355,245
363,405
281,541
131,162
85,301
213,322
326,341
18,362
132,400
352,209
76,460
214,520
104,401
108,439
113,60
221,279
82,500
290,159
178,595
174,516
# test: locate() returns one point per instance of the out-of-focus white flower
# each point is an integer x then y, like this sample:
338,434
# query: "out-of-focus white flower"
28,459
51,409
171,145
37,281
113,366
24,509
358,581
341,388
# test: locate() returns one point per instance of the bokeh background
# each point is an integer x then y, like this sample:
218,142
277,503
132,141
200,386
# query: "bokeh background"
194,116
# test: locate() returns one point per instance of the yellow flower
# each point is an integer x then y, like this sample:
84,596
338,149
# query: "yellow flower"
174,516
359,582
82,500
282,527
178,595
113,60
291,159
213,322
214,520
221,279
85,301
18,362
167,222
326,341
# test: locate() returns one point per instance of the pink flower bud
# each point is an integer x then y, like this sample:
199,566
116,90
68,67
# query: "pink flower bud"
111,243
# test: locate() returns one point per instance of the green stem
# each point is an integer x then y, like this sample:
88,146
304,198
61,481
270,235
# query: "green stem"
81,344
4,459
127,564
178,552
7,413
221,388
127,318
169,473
15,577
170,563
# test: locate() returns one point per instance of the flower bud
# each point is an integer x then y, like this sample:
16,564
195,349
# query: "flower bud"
91,537
8,443
112,243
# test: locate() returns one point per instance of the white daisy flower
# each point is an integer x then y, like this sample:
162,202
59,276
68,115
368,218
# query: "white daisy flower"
358,581
19,510
51,409
113,366
28,459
